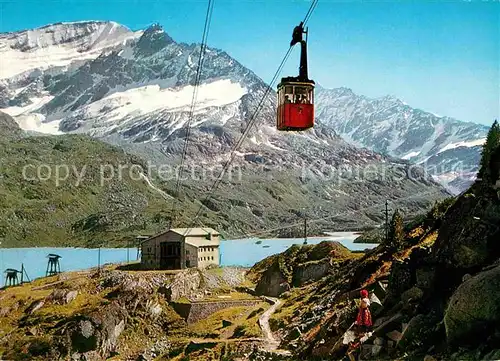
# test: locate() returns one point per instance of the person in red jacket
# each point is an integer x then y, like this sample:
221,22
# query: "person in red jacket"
364,319
362,325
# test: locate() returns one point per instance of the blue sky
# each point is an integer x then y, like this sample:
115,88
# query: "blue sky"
443,57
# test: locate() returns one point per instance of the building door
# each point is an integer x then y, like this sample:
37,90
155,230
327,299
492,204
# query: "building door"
170,255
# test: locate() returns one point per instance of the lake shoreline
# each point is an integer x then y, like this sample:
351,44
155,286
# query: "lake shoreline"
234,253
328,236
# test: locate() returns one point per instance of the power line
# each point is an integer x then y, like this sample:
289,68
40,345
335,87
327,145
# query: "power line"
203,46
250,123
337,215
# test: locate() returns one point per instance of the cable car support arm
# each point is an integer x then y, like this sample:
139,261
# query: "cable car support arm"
298,38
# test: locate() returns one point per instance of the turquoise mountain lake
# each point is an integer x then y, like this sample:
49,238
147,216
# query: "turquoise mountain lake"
243,252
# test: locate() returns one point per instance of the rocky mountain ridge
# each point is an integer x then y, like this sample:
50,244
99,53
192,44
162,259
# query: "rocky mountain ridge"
447,148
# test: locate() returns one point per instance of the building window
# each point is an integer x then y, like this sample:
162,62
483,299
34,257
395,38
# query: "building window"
212,258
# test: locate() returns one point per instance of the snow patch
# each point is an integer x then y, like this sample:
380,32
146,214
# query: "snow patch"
470,144
35,122
150,98
36,103
254,140
28,119
410,155
270,145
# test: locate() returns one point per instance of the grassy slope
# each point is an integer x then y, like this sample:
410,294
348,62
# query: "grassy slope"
33,336
34,212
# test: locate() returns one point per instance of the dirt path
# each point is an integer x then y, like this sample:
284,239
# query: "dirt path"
271,343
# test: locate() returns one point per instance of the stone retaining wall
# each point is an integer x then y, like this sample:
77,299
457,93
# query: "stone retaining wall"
196,311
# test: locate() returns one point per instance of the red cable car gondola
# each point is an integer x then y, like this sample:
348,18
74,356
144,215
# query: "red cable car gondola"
296,94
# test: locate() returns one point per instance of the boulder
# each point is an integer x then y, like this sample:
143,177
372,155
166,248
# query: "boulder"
272,283
425,277
474,308
154,309
400,278
35,306
388,325
394,335
310,271
70,296
97,333
412,295
366,352
185,284
464,240
376,350
418,331
62,296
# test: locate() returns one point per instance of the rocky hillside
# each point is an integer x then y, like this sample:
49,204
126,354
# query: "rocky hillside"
123,315
447,148
8,126
435,295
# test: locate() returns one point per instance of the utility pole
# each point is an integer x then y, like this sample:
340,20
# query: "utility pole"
386,221
128,249
99,260
305,229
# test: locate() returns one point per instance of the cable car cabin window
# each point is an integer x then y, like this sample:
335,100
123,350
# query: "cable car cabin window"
302,95
288,95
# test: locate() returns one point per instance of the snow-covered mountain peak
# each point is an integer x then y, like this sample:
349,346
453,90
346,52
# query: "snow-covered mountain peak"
155,28
390,126
339,92
82,35
57,45
152,41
